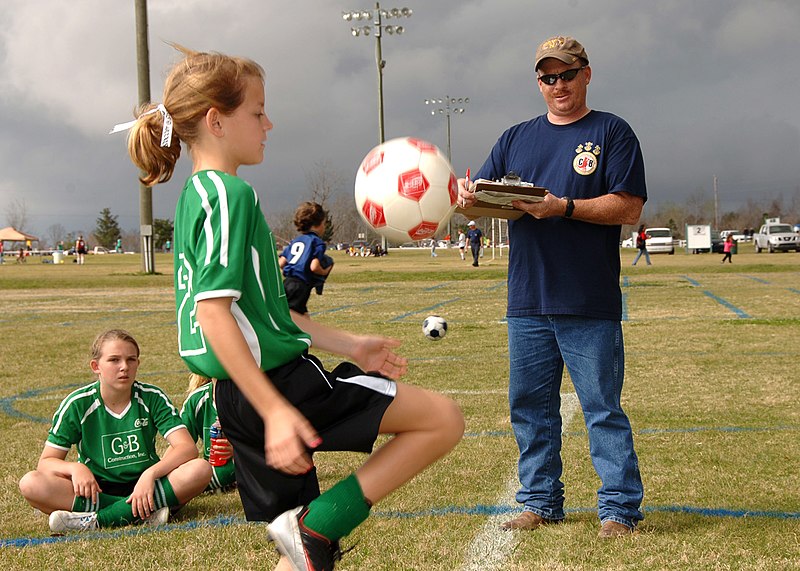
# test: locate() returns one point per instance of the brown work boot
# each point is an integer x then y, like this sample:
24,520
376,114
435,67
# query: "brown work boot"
527,520
611,529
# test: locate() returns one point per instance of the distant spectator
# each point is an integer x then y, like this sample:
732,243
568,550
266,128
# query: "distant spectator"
727,247
641,244
475,237
80,249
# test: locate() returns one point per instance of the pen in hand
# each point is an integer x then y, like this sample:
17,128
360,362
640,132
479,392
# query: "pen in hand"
463,201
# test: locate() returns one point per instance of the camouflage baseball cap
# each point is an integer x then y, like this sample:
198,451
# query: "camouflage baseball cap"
563,48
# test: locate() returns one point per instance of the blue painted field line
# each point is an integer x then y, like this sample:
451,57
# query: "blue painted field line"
624,307
431,288
741,314
342,307
759,280
476,510
424,309
793,290
691,281
625,281
498,285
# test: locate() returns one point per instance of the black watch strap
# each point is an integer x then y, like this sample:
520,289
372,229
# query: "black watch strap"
570,208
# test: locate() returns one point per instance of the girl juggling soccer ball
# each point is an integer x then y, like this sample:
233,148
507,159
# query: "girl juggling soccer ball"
118,478
276,402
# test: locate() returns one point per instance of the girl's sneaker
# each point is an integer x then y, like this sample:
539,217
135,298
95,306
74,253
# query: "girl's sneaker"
305,550
63,520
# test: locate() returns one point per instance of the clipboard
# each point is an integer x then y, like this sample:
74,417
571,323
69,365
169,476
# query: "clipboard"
494,198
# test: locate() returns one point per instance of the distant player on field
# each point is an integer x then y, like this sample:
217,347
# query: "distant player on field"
304,262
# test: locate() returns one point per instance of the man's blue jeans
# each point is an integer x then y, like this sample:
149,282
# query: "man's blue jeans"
592,350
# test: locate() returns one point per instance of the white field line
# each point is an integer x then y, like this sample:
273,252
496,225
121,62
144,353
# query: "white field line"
492,545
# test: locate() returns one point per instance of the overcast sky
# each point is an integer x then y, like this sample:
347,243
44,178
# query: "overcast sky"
711,87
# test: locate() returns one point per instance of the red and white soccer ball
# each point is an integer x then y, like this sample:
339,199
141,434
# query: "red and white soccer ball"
406,189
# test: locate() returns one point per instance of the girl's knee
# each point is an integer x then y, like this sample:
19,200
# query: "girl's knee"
451,420
28,483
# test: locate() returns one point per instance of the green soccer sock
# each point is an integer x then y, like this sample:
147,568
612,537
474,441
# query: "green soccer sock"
81,504
222,477
338,511
121,513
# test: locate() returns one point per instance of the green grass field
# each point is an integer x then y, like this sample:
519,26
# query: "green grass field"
711,390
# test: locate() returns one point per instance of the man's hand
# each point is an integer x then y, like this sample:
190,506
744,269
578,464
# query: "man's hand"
547,208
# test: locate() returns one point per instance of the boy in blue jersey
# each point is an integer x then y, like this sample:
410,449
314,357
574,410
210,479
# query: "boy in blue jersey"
304,262
564,300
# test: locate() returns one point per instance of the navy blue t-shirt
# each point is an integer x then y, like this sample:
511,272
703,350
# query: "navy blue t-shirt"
558,265
299,254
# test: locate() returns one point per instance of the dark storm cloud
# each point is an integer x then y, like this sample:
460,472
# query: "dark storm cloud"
709,87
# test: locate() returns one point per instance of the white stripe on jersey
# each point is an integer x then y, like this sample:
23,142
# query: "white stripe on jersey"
224,222
248,332
207,229
160,393
60,412
201,402
257,270
90,410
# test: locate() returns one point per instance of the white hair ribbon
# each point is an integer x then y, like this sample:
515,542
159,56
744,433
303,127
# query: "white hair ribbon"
166,131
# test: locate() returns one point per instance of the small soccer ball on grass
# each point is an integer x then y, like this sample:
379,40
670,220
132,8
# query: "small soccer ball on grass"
406,190
434,327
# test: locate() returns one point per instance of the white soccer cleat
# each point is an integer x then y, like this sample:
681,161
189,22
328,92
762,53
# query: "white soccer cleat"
63,520
158,517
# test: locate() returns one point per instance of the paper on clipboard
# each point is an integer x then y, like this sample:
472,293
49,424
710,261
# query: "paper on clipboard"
494,198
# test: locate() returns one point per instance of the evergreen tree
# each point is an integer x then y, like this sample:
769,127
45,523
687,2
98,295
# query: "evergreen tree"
162,231
107,231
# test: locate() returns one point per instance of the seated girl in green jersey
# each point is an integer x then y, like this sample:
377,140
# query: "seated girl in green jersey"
198,413
118,478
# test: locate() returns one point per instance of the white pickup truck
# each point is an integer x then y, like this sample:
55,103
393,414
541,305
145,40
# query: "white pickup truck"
776,237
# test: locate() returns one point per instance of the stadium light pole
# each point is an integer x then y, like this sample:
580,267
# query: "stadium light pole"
377,16
145,192
445,106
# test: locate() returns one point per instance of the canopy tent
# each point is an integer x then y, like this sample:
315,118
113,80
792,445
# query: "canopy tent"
11,234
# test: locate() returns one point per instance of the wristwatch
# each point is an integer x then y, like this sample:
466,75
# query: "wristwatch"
570,208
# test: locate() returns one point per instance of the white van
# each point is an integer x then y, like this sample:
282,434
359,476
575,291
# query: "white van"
660,241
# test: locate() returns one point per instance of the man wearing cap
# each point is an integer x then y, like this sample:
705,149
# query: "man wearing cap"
564,299
475,237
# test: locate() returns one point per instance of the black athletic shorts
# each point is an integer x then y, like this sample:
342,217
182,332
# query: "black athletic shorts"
121,489
345,406
297,294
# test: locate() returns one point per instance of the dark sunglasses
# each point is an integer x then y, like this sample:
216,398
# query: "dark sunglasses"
551,78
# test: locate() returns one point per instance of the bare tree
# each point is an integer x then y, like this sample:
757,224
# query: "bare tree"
324,181
17,214
56,233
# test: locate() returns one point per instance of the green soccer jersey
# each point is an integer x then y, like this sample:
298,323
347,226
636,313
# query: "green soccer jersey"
115,447
224,248
198,413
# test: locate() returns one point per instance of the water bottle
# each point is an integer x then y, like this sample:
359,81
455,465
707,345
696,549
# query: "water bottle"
215,432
